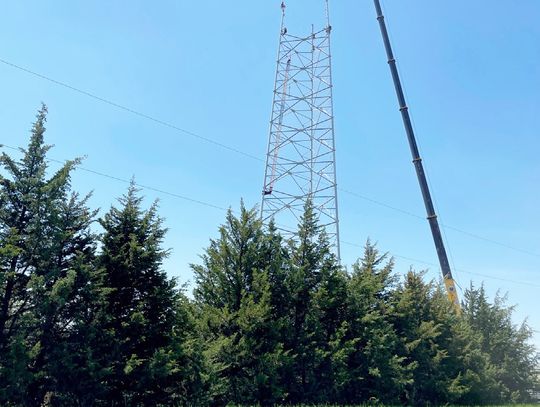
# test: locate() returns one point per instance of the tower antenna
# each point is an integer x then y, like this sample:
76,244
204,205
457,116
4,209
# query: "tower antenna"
300,160
327,11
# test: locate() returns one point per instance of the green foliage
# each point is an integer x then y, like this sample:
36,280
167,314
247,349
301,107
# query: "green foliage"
147,318
238,320
370,367
46,249
514,361
317,286
93,320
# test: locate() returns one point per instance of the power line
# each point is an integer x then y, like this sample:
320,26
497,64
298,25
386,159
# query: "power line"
147,187
427,263
414,215
246,154
211,205
132,111
379,203
434,195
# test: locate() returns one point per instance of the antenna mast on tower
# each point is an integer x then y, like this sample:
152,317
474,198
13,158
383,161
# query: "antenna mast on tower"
301,160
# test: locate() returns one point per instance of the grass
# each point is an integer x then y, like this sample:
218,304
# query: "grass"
382,405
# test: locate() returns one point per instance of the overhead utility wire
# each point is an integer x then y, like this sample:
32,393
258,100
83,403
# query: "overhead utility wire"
445,226
414,215
246,154
150,188
130,110
210,205
458,269
419,147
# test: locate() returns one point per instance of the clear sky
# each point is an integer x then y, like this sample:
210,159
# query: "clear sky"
471,74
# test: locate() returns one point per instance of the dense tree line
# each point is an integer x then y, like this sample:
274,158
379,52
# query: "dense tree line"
91,319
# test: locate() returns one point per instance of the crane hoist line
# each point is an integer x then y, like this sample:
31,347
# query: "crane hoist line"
417,161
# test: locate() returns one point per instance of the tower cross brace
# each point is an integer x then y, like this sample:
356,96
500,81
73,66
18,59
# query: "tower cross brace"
301,159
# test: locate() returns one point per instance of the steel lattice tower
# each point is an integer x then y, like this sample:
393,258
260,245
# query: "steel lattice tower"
301,161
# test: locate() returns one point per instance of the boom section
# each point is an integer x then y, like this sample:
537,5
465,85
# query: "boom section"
419,167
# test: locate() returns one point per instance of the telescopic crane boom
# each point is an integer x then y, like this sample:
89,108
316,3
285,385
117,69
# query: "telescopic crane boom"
417,161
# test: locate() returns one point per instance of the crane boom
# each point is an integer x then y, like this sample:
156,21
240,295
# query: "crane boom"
417,161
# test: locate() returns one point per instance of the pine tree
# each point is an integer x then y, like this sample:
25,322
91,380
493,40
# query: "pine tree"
420,344
367,362
443,357
240,310
276,259
468,374
312,266
228,263
514,360
324,325
45,265
68,301
140,306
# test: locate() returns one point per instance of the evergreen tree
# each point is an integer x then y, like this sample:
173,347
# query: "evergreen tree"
312,267
369,368
46,258
420,343
276,259
468,373
443,358
324,325
273,321
141,306
228,263
68,365
514,360
238,312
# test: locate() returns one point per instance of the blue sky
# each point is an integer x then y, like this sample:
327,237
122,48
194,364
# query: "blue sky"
471,74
